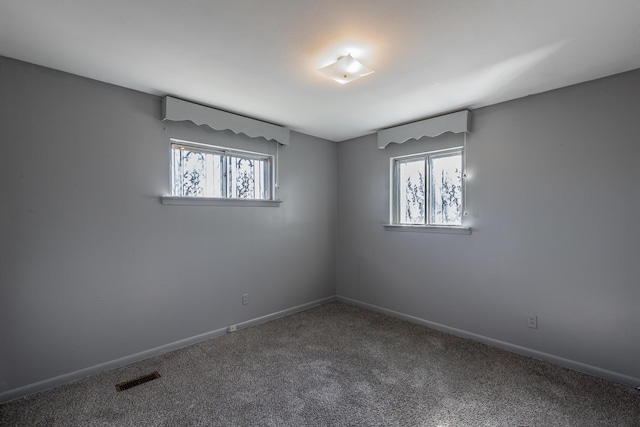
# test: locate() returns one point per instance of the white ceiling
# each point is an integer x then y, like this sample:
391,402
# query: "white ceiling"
260,58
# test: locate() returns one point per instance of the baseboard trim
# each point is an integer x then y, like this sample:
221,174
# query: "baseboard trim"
283,313
525,351
126,360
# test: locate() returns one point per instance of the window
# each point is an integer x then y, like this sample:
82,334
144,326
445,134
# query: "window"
199,170
427,189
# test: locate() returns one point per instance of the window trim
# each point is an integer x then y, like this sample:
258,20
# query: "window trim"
214,201
441,229
394,199
177,200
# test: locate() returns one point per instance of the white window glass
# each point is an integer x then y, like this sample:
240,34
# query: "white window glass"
446,189
247,178
206,171
427,189
196,173
411,191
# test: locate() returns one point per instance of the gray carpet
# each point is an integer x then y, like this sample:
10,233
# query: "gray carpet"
335,365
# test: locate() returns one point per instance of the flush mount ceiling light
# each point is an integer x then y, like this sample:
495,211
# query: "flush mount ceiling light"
346,69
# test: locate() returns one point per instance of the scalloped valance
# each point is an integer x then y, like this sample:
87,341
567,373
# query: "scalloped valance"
454,122
178,110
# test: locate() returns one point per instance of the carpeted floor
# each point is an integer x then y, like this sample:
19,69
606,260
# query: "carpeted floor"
335,365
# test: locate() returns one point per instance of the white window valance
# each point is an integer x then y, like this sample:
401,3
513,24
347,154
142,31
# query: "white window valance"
454,122
178,110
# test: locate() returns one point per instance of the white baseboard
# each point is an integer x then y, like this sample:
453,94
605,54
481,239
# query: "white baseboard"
113,364
556,360
288,311
106,366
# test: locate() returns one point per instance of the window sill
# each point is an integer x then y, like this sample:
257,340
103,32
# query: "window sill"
442,229
210,201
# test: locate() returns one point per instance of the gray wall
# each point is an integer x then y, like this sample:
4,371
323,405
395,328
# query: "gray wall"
94,268
553,197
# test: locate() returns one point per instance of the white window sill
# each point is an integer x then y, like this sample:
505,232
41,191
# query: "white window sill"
210,201
443,229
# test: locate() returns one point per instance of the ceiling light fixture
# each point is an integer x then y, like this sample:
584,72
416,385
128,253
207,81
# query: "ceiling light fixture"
346,69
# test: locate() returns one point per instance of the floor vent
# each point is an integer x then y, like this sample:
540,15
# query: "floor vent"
137,381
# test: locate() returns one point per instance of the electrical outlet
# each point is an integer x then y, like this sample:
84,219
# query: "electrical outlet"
245,299
232,328
532,321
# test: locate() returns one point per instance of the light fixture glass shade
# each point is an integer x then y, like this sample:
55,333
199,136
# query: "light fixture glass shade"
346,69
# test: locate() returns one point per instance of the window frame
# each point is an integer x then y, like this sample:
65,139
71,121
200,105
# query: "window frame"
395,199
225,153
